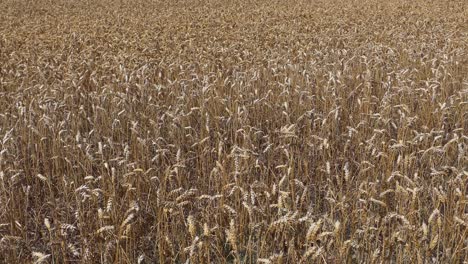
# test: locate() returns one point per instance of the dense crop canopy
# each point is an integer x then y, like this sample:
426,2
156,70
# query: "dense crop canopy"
233,131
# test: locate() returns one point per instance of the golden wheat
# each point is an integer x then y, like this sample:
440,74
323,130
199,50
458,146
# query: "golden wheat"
240,131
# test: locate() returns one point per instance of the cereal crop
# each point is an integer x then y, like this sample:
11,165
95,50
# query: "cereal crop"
300,131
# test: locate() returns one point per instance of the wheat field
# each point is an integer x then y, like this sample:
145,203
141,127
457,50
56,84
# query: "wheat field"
301,131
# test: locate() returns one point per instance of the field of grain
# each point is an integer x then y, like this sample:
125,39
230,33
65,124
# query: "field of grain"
233,131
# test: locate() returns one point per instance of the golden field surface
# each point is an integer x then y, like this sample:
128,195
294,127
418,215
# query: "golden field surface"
233,131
